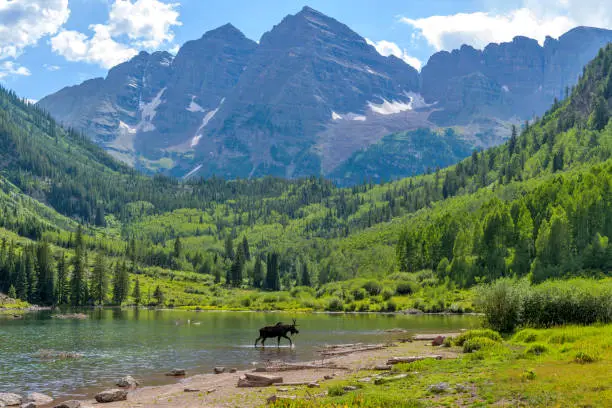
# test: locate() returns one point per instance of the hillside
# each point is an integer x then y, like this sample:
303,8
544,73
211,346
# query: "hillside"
539,205
311,98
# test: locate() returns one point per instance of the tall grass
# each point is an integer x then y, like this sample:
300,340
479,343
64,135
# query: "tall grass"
509,303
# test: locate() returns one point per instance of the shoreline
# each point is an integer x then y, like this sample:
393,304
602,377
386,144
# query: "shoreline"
220,390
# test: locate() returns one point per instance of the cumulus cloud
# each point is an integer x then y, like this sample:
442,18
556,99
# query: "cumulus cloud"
147,22
100,49
387,48
131,25
24,22
534,19
11,68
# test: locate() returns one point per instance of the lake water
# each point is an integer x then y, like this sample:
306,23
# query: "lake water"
148,343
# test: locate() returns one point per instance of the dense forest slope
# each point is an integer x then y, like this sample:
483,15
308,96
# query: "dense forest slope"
72,217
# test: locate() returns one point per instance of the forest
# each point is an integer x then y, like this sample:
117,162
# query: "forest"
78,228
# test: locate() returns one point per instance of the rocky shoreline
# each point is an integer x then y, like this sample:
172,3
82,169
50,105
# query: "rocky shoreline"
269,381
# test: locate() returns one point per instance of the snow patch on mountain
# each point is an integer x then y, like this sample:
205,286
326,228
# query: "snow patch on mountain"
192,172
194,107
335,116
148,112
207,118
389,107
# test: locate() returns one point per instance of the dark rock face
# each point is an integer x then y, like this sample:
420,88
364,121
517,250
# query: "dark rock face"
515,79
310,97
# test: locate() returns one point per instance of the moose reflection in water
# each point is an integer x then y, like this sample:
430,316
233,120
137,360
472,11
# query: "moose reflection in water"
278,330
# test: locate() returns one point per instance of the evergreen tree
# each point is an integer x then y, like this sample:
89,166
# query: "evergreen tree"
178,248
136,293
21,279
237,268
245,249
32,277
78,280
512,141
46,275
12,293
229,247
121,283
158,295
305,275
99,280
62,289
258,273
272,273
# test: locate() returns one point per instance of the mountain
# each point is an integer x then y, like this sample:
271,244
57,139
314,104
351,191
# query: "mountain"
518,79
311,98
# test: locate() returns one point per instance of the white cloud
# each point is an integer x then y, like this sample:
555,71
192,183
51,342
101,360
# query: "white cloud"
148,23
24,22
100,49
387,48
11,68
131,25
534,19
51,67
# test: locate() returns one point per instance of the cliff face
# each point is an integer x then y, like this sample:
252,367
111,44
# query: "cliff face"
309,97
522,77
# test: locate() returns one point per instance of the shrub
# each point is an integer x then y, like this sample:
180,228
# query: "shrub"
336,391
334,305
584,357
528,375
526,336
387,294
477,343
501,302
404,288
373,288
536,349
391,306
359,293
471,334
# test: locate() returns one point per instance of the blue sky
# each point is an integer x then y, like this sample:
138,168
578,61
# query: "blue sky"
48,44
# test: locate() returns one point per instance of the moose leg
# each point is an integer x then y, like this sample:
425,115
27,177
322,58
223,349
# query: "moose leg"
263,342
290,342
278,341
259,338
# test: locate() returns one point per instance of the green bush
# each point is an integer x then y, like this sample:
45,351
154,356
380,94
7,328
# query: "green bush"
359,294
391,306
536,349
387,294
584,357
482,333
404,288
501,302
336,391
477,343
373,288
334,305
526,336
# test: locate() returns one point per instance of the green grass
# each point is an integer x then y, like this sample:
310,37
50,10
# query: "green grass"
575,373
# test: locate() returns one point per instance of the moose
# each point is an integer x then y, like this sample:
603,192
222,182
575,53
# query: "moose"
278,330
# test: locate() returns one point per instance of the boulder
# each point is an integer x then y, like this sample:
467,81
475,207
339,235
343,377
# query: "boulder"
348,388
258,380
28,405
314,385
219,370
191,390
177,372
127,382
39,399
233,370
439,388
382,367
113,395
10,399
438,341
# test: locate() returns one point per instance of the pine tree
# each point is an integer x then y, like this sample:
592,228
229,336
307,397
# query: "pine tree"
21,279
158,295
46,275
305,278
272,275
62,288
136,293
99,281
121,283
12,293
258,274
229,247
237,268
78,281
178,248
31,275
245,248
512,141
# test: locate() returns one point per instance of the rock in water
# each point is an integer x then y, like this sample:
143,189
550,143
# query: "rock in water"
9,399
73,404
38,398
112,395
219,370
128,382
177,372
28,405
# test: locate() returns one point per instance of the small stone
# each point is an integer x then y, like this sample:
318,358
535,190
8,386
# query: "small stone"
365,379
38,398
348,388
10,399
177,372
72,404
127,382
233,370
438,388
28,405
191,390
438,341
314,385
382,367
328,377
111,395
219,370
